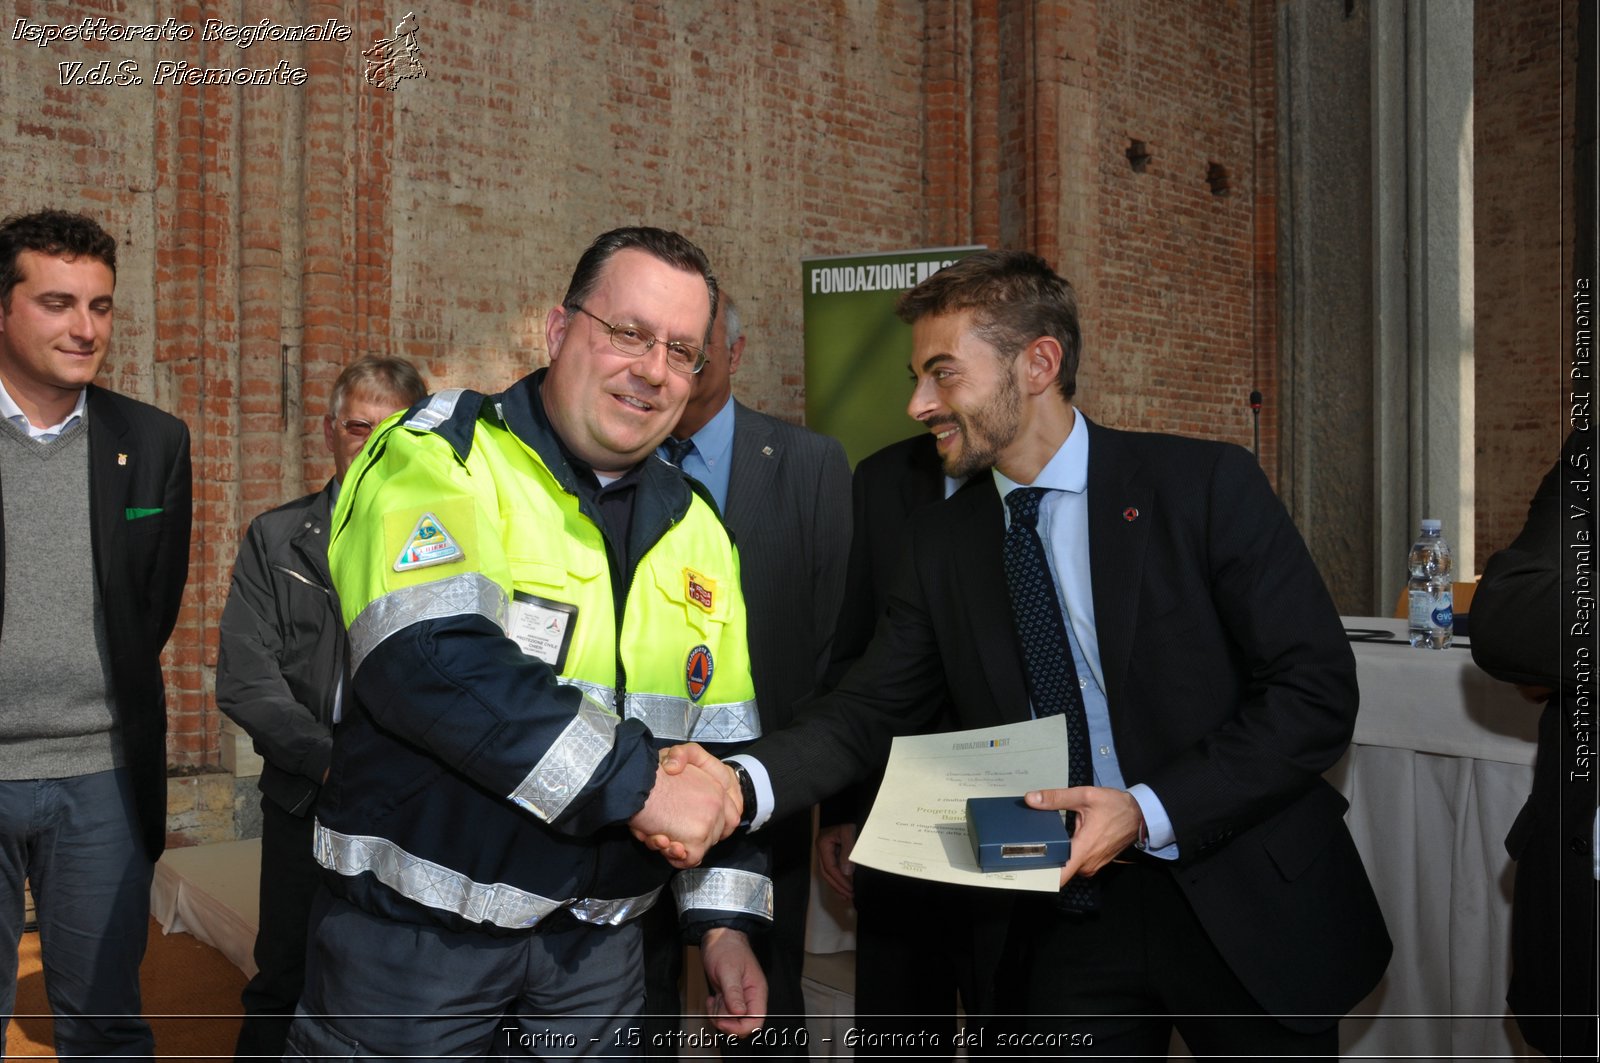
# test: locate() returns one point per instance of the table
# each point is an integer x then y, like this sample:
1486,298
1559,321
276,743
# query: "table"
211,891
1441,762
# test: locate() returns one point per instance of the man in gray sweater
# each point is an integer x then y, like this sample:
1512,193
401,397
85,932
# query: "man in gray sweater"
94,552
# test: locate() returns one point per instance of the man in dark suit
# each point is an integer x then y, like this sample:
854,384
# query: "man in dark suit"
1208,672
1531,626
96,513
784,492
908,981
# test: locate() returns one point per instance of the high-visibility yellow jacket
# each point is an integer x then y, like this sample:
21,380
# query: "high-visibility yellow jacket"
514,671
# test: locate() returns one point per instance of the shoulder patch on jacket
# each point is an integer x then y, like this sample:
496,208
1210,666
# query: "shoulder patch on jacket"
428,541
428,544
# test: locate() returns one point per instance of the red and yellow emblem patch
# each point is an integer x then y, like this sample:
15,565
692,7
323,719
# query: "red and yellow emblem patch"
700,590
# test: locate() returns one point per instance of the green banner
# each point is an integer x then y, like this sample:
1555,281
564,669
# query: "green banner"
858,353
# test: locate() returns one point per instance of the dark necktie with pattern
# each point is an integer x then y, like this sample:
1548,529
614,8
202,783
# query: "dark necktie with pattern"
1047,654
677,450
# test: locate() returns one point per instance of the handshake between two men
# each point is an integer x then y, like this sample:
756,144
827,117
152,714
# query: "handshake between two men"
694,804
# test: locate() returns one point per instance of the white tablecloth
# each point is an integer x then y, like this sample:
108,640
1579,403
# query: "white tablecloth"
211,891
1436,701
1441,763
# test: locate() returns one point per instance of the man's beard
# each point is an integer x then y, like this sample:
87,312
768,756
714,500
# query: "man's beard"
985,432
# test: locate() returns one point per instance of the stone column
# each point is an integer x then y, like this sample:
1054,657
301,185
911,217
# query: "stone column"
1376,305
1422,77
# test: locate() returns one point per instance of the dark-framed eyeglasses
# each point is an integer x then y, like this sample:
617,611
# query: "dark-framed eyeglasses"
356,427
635,341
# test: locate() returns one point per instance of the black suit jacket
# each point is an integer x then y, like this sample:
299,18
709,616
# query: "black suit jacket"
139,500
1231,689
889,486
788,509
1530,616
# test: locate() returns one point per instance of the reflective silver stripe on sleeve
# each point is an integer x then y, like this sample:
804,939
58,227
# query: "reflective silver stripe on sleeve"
601,693
681,720
723,889
435,886
728,721
436,412
568,764
676,719
470,593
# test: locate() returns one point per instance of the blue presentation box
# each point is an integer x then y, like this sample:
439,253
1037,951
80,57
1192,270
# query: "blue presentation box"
1007,835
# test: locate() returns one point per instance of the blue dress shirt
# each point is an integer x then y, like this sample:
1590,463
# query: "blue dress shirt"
712,456
1064,530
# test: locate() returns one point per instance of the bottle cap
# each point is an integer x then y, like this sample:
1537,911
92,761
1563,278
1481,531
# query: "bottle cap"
1431,525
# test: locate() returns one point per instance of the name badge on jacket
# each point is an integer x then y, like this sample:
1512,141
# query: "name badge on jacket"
542,628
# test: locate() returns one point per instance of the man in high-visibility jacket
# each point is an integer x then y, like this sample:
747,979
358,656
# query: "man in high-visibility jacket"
537,604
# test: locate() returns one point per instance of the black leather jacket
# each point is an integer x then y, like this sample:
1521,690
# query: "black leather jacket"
282,648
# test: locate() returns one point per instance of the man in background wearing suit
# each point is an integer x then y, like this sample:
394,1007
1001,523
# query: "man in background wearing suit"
281,656
1527,629
1177,622
906,977
784,493
96,511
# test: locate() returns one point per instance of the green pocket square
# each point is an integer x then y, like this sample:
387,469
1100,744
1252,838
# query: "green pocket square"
133,513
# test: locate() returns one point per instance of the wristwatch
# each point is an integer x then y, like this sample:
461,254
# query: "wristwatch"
747,792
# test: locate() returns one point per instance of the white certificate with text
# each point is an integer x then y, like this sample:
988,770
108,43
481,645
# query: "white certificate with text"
918,824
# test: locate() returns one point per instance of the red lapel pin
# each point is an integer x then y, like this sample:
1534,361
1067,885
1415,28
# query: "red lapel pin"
1130,514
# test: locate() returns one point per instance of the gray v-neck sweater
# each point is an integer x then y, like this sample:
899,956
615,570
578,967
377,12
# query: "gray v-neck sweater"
57,716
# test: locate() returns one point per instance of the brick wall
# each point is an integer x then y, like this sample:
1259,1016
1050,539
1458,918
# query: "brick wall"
1171,342
1524,66
1032,109
763,131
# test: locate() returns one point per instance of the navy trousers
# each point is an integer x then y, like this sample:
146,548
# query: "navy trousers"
77,842
382,989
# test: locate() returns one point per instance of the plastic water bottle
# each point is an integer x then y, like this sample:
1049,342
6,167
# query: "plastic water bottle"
1430,590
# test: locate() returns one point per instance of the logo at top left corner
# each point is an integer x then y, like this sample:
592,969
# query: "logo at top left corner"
428,544
392,60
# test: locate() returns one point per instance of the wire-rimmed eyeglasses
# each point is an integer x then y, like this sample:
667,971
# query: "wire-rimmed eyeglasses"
635,341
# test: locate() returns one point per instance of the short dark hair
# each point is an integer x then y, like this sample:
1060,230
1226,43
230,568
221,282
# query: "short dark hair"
1017,297
391,376
672,248
50,232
